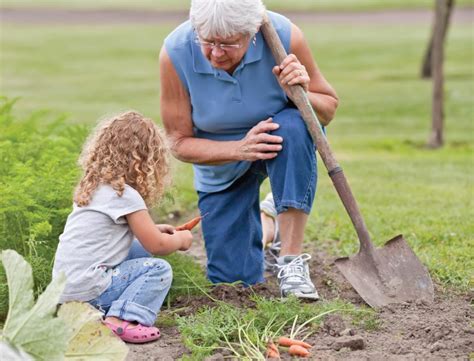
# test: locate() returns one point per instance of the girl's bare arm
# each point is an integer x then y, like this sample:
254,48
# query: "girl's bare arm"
152,239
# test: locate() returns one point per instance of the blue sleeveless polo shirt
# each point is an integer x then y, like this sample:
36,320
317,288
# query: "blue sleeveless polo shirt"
224,106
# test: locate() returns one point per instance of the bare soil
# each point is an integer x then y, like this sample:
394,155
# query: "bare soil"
410,331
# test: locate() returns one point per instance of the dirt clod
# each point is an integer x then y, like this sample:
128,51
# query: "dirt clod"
437,346
334,325
351,342
348,332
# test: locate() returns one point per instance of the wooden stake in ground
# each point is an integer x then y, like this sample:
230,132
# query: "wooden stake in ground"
437,58
426,66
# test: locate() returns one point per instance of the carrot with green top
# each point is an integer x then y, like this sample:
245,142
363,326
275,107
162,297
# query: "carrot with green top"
272,351
297,350
288,342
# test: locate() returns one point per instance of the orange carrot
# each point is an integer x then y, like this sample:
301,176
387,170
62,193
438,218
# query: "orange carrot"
285,341
189,225
272,351
297,350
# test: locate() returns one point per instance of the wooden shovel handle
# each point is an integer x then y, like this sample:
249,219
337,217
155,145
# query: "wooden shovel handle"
300,99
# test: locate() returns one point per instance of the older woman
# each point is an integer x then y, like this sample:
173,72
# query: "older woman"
225,109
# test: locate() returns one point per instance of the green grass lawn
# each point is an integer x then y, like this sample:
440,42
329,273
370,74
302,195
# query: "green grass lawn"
339,5
378,134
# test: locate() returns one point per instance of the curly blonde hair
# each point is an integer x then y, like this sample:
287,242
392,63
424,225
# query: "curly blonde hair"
125,149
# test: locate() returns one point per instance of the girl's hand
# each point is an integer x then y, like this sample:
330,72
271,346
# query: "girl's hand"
258,144
165,228
186,238
291,72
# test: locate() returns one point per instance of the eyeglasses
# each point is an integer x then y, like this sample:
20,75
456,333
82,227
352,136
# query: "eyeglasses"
211,45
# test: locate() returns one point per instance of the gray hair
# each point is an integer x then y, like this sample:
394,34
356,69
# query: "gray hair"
226,18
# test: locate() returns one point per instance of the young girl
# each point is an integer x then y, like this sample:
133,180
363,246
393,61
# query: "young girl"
125,164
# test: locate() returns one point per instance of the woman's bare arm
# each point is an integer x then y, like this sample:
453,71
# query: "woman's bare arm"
176,117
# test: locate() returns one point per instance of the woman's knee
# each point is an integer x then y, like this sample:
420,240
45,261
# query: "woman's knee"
292,127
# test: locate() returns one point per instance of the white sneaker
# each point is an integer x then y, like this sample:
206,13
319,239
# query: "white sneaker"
272,253
293,277
267,206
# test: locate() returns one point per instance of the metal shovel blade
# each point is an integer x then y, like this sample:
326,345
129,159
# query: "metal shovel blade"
391,274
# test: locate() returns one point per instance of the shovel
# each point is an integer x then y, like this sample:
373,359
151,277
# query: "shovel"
391,274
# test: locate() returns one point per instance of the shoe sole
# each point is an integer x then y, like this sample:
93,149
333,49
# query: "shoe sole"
306,296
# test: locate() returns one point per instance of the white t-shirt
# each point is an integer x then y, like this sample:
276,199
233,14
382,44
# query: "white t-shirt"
96,238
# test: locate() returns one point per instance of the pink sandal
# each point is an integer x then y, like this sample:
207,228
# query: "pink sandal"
134,334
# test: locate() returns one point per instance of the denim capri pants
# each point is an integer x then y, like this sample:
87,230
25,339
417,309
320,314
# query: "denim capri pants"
138,289
232,228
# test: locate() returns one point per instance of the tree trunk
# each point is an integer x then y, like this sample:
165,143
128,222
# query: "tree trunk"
426,66
436,137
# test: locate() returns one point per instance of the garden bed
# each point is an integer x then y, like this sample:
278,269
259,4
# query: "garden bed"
406,331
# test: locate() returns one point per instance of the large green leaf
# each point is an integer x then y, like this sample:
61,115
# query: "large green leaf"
20,287
89,338
28,327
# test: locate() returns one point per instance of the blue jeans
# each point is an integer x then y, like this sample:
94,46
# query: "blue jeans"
139,286
232,229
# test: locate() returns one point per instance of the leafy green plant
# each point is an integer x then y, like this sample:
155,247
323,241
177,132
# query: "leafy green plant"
32,329
245,332
188,277
203,332
37,175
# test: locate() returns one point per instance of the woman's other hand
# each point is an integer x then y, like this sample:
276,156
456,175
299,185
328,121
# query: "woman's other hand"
258,144
291,72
